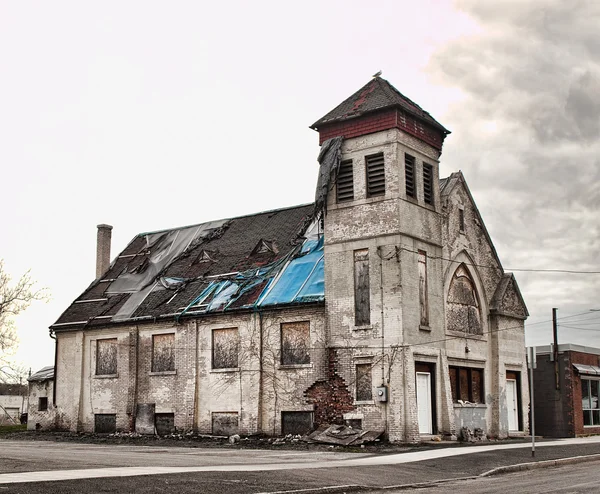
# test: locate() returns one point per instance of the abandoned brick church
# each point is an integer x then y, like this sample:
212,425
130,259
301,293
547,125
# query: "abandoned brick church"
382,305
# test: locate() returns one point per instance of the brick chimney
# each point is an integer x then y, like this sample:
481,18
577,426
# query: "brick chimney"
103,249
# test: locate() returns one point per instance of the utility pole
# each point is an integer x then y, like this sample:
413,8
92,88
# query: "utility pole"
555,334
532,364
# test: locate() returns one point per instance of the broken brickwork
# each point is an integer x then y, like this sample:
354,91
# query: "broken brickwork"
330,397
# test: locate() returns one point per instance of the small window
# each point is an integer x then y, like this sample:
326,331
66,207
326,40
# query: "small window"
226,347
296,422
427,183
105,423
409,174
375,175
423,296
466,384
461,219
225,423
106,357
43,404
364,383
295,343
362,301
164,423
163,352
345,182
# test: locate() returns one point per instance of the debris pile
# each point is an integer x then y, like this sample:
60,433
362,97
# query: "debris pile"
342,435
472,436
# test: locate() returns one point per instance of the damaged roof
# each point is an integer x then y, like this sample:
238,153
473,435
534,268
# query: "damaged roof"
44,374
376,95
259,260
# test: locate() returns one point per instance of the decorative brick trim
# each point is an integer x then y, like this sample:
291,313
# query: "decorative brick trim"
383,120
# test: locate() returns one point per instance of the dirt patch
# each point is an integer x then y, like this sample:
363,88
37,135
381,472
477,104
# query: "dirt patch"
195,440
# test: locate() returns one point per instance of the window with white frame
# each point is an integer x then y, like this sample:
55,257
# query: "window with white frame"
590,405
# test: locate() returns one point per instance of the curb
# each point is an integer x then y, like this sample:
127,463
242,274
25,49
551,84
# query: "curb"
540,464
496,471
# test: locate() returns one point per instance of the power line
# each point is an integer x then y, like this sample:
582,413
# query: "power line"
499,268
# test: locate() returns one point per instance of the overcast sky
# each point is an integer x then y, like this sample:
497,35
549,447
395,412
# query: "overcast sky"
148,115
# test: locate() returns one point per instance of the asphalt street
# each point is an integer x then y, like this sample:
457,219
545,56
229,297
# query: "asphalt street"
583,478
224,471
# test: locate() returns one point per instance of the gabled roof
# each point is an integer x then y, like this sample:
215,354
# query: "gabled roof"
209,267
377,94
44,374
507,299
447,185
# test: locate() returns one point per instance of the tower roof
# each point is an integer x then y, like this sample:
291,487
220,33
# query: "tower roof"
376,95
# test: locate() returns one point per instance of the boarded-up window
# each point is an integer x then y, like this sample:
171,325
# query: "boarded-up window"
163,352
364,383
43,403
423,296
409,174
466,384
226,345
225,423
345,182
362,299
463,304
375,175
427,183
164,423
295,343
106,357
296,422
105,423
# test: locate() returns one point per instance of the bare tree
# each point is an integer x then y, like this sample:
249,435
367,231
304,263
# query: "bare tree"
14,299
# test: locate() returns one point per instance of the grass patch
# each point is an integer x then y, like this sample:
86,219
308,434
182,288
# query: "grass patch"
13,428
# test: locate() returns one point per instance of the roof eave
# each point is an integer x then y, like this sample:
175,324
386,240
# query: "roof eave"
434,123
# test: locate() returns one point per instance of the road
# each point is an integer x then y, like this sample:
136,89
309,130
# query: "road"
45,467
583,478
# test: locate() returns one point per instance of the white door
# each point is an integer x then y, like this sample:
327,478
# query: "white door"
512,404
424,402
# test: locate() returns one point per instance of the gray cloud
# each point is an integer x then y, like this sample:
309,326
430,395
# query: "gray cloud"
527,137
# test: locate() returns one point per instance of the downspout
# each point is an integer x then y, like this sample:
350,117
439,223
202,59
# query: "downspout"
382,330
136,377
196,382
53,336
260,371
382,315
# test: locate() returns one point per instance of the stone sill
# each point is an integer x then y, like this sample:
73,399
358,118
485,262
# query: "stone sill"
294,366
106,376
224,370
362,328
424,328
164,373
365,402
470,405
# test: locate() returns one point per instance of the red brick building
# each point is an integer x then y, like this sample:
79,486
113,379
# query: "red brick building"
567,391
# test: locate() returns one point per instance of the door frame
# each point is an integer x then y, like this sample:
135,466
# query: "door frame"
516,376
428,368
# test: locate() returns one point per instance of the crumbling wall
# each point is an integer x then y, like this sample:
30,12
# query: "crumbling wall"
330,396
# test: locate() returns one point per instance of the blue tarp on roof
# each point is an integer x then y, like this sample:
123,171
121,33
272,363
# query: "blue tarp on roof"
302,279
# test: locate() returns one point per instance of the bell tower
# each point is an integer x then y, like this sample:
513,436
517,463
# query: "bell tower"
383,243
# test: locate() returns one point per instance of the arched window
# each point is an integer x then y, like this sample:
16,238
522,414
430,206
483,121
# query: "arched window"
463,312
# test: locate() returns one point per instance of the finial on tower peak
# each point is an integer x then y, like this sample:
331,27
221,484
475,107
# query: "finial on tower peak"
377,74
